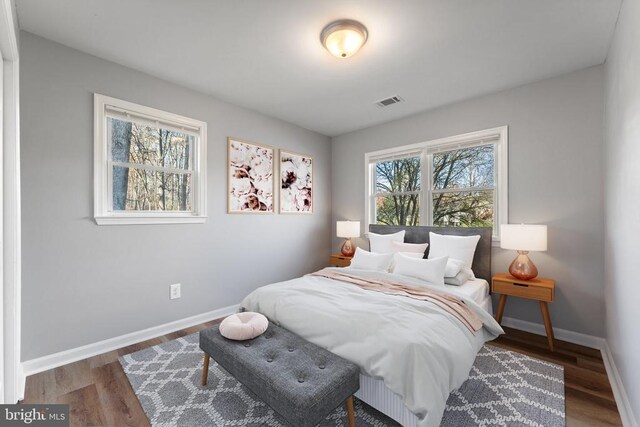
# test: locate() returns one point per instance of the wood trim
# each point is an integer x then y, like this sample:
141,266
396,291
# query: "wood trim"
273,173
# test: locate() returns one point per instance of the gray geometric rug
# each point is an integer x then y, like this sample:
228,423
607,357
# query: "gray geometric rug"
504,388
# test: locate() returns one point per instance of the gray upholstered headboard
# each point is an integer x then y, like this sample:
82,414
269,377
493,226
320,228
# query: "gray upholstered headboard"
420,234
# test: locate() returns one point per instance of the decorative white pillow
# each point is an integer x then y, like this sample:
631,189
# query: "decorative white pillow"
458,247
453,267
429,270
414,255
463,276
366,260
243,326
381,243
409,247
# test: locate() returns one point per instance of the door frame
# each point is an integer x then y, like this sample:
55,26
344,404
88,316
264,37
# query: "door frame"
12,376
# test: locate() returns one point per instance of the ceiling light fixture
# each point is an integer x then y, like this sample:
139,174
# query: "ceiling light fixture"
344,38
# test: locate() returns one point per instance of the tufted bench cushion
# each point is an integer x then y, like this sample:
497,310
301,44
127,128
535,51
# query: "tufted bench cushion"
299,380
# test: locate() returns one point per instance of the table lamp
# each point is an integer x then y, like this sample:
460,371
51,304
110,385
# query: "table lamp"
523,238
348,229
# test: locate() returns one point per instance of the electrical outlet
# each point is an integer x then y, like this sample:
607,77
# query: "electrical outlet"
175,291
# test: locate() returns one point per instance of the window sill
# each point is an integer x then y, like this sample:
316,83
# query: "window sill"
149,220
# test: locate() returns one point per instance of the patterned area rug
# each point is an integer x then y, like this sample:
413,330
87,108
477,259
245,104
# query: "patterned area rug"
504,388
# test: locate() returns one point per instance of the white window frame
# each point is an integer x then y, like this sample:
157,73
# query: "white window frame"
498,136
103,165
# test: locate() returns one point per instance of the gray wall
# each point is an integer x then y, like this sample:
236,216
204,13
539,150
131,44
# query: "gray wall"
555,178
83,283
622,199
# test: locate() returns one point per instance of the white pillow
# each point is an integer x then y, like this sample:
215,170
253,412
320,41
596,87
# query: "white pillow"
458,247
453,267
429,270
414,255
419,248
366,260
463,276
381,243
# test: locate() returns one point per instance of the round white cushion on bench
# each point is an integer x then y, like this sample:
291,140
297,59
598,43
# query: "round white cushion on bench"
243,326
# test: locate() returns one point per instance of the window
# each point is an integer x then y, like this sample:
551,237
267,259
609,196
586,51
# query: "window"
452,182
149,165
397,192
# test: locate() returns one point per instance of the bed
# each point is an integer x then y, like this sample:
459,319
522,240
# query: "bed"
478,289
411,354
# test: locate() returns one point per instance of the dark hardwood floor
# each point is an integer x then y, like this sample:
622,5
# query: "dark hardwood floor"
99,393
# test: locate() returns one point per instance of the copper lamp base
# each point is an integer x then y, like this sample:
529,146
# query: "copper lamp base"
522,267
348,248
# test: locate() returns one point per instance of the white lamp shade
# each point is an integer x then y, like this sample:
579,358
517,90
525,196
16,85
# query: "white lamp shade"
348,229
523,237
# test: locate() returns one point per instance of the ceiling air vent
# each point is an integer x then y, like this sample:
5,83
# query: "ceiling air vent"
389,101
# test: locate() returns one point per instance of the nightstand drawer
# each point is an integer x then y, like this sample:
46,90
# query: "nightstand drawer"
340,260
523,290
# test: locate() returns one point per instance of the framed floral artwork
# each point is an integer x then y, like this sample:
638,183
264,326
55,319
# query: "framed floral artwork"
296,183
250,176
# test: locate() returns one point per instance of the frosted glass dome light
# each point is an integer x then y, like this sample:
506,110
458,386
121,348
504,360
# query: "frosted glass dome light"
344,38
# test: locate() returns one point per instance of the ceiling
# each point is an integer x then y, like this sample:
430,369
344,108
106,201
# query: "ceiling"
266,55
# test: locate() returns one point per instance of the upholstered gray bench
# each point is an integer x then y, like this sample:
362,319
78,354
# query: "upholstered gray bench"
299,380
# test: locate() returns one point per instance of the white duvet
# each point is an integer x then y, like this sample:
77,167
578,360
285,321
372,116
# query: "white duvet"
420,351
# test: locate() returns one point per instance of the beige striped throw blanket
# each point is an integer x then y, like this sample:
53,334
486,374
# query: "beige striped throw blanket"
450,303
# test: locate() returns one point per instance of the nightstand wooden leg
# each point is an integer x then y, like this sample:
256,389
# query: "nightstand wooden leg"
547,323
501,303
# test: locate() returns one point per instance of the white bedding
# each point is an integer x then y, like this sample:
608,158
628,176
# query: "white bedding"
476,289
420,351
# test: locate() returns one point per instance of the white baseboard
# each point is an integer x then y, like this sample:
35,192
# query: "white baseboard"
561,334
619,393
51,361
622,400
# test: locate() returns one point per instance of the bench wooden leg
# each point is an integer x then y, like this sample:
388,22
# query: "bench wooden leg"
205,369
350,412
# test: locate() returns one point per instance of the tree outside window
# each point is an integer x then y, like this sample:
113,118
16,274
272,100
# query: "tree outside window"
397,191
438,185
149,165
463,187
